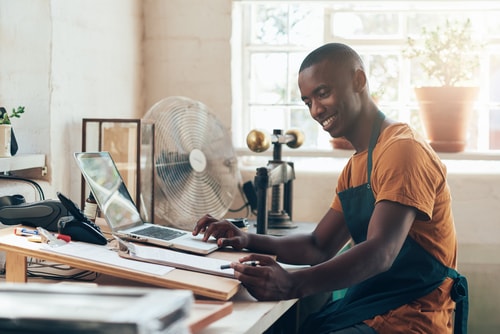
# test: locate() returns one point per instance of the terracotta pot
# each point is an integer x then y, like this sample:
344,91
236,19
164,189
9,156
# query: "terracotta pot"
445,113
341,143
5,139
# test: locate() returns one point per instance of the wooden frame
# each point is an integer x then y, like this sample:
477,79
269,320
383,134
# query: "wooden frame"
129,142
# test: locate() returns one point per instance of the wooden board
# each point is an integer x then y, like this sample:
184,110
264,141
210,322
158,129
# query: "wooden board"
205,312
18,249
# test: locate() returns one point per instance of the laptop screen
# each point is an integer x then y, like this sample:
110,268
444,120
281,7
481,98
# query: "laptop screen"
110,192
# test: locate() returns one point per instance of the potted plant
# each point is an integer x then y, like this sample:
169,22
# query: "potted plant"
449,56
8,143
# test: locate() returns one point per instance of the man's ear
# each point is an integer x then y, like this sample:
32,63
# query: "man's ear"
359,80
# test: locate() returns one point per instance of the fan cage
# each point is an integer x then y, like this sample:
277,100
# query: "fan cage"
196,168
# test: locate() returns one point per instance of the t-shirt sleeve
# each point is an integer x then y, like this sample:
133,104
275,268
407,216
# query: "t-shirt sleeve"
406,173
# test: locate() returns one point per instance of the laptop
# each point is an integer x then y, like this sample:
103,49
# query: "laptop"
120,211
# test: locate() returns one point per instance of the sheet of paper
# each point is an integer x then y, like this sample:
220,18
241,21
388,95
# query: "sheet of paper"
182,260
105,255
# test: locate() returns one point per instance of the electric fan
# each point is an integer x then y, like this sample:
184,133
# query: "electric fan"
196,167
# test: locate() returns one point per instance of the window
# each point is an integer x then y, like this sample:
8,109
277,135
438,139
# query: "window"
271,38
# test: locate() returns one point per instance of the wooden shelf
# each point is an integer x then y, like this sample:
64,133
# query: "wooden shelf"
22,161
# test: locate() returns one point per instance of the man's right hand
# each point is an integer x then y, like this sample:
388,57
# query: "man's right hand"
226,233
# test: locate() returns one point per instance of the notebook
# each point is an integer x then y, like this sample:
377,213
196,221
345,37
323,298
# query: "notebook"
121,214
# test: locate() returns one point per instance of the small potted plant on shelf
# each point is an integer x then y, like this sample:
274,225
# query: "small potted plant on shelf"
8,143
449,56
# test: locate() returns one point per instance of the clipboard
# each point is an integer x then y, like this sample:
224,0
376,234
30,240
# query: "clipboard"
173,258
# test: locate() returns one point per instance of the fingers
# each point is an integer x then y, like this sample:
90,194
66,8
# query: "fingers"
265,281
259,281
234,242
201,225
264,260
226,233
255,269
217,230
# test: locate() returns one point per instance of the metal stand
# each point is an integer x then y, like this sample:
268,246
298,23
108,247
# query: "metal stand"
279,176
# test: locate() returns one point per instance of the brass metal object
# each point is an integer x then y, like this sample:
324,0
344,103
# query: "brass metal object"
258,141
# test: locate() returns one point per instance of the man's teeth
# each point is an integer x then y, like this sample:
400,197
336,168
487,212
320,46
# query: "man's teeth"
327,122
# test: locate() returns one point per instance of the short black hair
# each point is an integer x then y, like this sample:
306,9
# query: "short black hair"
337,52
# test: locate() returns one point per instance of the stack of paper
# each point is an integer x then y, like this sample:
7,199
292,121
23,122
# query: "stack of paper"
78,309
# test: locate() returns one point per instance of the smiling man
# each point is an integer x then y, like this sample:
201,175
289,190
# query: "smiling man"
392,200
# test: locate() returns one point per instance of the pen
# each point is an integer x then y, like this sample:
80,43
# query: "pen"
24,231
248,263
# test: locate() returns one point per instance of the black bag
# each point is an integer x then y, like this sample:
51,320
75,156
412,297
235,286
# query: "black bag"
13,141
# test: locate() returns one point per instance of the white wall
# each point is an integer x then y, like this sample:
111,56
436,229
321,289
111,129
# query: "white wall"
95,71
64,61
187,52
25,39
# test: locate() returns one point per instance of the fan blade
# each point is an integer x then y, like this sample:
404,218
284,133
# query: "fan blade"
202,195
172,168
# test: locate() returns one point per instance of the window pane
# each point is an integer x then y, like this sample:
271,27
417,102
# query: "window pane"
383,76
495,78
268,78
270,24
269,118
306,25
356,25
293,75
495,98
302,120
493,24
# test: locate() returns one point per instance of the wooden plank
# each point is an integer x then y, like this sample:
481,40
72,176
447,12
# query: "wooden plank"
205,312
205,285
15,267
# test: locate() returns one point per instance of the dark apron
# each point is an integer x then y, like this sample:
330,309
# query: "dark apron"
414,273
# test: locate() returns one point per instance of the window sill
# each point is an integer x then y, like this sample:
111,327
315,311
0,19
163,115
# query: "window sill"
337,153
483,163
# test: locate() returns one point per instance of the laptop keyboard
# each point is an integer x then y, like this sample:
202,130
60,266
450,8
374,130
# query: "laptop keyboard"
159,233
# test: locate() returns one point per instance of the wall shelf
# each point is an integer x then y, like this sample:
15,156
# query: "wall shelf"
22,161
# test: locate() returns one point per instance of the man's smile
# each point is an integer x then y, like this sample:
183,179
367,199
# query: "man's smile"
328,122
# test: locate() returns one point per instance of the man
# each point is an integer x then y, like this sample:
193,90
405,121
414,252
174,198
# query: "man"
392,199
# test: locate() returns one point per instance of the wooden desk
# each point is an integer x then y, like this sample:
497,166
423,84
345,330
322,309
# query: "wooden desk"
248,316
19,248
251,317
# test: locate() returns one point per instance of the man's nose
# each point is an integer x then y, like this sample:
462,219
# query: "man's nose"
316,108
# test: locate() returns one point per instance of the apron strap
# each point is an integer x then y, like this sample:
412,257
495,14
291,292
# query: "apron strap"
373,141
460,295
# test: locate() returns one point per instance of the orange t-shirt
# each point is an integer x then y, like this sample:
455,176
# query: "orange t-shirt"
406,170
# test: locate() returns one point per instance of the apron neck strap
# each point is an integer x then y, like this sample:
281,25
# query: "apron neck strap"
377,124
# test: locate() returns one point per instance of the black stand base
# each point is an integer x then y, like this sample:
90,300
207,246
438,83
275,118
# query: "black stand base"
277,220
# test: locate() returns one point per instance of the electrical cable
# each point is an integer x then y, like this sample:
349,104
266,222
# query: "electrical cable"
245,205
50,271
33,183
